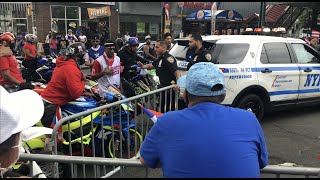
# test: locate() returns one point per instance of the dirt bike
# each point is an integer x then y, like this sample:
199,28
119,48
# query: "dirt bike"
124,134
45,67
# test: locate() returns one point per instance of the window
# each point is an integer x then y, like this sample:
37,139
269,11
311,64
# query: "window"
19,14
305,54
13,21
64,18
275,53
230,53
19,25
58,12
181,49
72,12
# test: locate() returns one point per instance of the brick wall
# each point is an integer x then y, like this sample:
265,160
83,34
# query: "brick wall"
43,21
114,24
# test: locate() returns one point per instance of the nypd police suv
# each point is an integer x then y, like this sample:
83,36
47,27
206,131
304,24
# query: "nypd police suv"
262,73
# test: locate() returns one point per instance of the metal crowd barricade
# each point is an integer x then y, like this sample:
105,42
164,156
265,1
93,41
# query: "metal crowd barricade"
121,138
98,161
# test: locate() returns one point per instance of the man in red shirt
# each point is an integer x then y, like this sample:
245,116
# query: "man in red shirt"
30,57
10,74
67,82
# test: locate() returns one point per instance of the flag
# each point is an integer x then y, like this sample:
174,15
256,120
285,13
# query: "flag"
315,34
153,115
214,9
166,7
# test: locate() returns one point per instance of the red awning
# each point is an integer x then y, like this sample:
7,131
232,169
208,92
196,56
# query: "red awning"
274,12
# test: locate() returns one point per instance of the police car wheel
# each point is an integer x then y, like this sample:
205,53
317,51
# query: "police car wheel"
252,102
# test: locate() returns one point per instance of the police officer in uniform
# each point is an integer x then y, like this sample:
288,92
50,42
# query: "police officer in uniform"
199,53
167,70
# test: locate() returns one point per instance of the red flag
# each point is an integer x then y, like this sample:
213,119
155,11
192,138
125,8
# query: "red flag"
166,7
315,34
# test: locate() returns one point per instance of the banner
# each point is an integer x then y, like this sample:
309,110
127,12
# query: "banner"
167,18
99,12
214,9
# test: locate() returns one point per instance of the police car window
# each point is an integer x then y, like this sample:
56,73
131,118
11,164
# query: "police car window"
179,51
230,53
305,54
277,53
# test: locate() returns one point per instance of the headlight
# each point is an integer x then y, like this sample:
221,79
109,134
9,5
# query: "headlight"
155,78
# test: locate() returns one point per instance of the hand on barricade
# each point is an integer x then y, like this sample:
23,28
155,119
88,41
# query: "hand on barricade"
176,88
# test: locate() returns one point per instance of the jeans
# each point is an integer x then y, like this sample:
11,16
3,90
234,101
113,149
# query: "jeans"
31,67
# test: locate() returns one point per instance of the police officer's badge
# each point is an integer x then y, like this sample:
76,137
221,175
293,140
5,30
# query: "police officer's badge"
208,56
170,59
195,58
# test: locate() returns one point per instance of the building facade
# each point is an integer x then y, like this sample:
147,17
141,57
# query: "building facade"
14,17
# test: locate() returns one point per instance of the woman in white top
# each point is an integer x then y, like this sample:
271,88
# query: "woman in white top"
83,38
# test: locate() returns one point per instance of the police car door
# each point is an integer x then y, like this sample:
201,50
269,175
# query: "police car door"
309,64
277,71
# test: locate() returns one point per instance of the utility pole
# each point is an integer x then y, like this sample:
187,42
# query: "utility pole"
262,14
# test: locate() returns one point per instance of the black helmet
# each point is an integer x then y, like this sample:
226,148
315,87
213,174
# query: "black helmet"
76,49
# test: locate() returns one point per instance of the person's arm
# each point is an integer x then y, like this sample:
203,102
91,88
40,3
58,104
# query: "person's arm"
97,73
146,52
262,147
145,66
7,76
75,38
75,83
85,41
149,152
141,59
177,73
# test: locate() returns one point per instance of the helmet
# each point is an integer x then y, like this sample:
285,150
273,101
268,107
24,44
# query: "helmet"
133,41
31,38
76,49
7,36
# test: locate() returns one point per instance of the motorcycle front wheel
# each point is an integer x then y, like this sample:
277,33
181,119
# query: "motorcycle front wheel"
135,142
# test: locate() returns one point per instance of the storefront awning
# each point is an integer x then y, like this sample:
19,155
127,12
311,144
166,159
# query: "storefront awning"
203,15
14,6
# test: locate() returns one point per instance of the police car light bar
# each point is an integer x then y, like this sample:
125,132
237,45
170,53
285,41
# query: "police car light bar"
257,30
279,29
266,30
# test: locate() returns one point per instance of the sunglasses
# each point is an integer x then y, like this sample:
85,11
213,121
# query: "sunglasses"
97,41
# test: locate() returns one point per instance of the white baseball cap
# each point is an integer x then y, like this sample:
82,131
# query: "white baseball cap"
18,111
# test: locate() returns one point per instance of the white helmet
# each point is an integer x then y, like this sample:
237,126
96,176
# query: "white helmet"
31,38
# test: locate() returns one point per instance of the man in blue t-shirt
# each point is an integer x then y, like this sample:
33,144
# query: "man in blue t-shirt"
206,139
94,52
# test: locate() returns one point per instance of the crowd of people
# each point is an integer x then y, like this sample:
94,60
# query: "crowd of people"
204,90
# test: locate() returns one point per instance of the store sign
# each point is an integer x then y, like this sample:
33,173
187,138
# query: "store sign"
99,12
154,28
200,15
73,24
104,3
195,5
140,27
